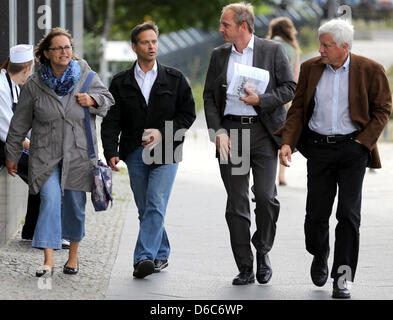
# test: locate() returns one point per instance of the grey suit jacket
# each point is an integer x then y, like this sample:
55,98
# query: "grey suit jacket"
268,55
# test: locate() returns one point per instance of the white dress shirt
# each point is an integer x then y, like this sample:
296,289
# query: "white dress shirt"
145,80
331,113
233,104
6,103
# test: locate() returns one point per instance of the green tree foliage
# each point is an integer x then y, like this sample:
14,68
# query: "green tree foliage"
170,15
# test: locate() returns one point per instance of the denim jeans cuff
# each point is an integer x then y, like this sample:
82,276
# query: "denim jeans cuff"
72,239
46,244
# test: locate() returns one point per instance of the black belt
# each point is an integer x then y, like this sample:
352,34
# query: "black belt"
242,119
334,138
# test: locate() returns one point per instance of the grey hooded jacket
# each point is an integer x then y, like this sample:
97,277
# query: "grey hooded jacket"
57,131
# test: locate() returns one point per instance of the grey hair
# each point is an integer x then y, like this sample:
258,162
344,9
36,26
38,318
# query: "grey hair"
242,12
341,30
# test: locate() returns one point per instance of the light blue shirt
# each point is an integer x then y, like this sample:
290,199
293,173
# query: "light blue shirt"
331,113
233,104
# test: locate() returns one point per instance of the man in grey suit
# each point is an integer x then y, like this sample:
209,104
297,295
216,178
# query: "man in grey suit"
244,127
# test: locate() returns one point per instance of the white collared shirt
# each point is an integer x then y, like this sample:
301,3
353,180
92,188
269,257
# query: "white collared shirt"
233,104
6,103
145,80
331,113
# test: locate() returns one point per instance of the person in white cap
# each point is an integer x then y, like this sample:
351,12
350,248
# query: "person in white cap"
14,72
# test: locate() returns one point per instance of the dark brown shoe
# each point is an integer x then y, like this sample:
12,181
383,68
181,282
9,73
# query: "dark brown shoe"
143,268
319,270
246,276
340,290
264,269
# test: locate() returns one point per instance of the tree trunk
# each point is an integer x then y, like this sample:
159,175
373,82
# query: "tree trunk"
108,19
105,37
89,24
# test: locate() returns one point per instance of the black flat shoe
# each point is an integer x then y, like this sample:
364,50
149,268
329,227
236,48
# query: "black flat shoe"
159,265
246,276
264,269
68,270
143,268
44,271
319,270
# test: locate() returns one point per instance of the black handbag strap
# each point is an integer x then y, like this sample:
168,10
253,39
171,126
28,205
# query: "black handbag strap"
12,91
87,116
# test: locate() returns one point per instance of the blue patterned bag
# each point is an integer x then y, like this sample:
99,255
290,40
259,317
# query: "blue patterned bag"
101,194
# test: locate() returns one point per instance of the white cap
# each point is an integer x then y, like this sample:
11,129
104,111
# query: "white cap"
21,53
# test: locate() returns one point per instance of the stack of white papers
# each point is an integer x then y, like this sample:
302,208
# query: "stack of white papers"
254,79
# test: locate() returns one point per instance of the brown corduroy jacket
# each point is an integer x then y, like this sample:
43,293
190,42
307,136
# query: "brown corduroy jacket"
370,104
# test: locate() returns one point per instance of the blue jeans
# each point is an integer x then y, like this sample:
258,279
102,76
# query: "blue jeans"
60,217
151,188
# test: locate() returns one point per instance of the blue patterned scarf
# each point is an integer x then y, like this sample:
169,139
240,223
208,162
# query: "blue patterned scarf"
62,85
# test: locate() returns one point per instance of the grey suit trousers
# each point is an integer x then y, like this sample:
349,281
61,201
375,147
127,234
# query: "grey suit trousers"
261,153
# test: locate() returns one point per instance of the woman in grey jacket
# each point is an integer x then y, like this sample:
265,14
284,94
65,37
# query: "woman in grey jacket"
60,168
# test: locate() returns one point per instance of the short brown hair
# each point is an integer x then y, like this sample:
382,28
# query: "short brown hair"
242,12
149,25
14,68
46,41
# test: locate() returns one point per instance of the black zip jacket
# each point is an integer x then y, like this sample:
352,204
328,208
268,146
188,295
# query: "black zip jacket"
170,100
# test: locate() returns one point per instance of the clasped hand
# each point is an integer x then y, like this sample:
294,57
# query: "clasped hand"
285,155
151,138
252,99
12,167
84,100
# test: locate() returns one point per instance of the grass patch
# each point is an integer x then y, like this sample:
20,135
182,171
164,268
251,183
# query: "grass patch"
263,9
197,92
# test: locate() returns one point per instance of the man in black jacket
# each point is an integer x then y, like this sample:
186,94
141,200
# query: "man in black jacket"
154,107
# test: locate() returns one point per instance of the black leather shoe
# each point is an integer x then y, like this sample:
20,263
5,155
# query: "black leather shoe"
340,291
68,270
143,268
159,265
319,270
44,271
246,276
264,269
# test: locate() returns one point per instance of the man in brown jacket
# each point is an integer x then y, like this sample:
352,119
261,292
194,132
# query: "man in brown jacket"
341,105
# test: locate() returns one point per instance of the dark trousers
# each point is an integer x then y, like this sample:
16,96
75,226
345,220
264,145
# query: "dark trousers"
33,201
330,167
262,156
